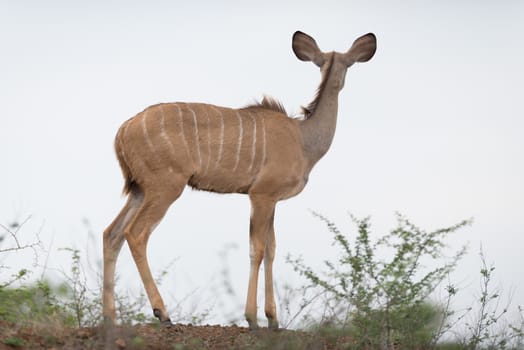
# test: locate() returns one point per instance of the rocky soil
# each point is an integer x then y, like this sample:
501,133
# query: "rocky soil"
154,336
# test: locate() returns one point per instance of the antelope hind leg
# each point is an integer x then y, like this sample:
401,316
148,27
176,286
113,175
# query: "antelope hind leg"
137,234
113,241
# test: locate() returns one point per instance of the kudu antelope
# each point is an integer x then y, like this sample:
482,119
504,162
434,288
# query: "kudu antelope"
257,150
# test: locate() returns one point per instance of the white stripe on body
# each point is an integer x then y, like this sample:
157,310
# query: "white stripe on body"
263,142
197,142
240,136
182,136
146,135
164,135
208,144
254,144
221,139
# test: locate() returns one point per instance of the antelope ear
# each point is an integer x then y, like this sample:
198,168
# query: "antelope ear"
362,49
306,49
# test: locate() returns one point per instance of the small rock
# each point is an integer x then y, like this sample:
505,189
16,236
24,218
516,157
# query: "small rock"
121,343
83,333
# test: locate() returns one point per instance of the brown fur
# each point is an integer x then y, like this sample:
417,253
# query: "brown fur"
269,103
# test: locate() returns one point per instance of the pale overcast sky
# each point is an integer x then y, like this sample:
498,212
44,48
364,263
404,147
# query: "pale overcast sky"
431,127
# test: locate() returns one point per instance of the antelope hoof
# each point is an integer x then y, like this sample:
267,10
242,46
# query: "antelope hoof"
163,320
166,323
253,325
272,324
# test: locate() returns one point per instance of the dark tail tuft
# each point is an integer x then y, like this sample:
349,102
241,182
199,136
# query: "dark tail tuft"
130,184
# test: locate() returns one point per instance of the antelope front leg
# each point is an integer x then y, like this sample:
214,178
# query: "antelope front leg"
262,212
270,307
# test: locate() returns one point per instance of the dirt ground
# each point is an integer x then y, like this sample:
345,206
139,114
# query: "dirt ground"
153,336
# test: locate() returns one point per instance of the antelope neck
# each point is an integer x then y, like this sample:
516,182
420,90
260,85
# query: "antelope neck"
318,129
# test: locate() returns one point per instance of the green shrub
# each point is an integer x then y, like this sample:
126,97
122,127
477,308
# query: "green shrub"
384,302
32,304
14,342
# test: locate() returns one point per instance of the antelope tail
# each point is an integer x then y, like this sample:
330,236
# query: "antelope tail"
130,184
